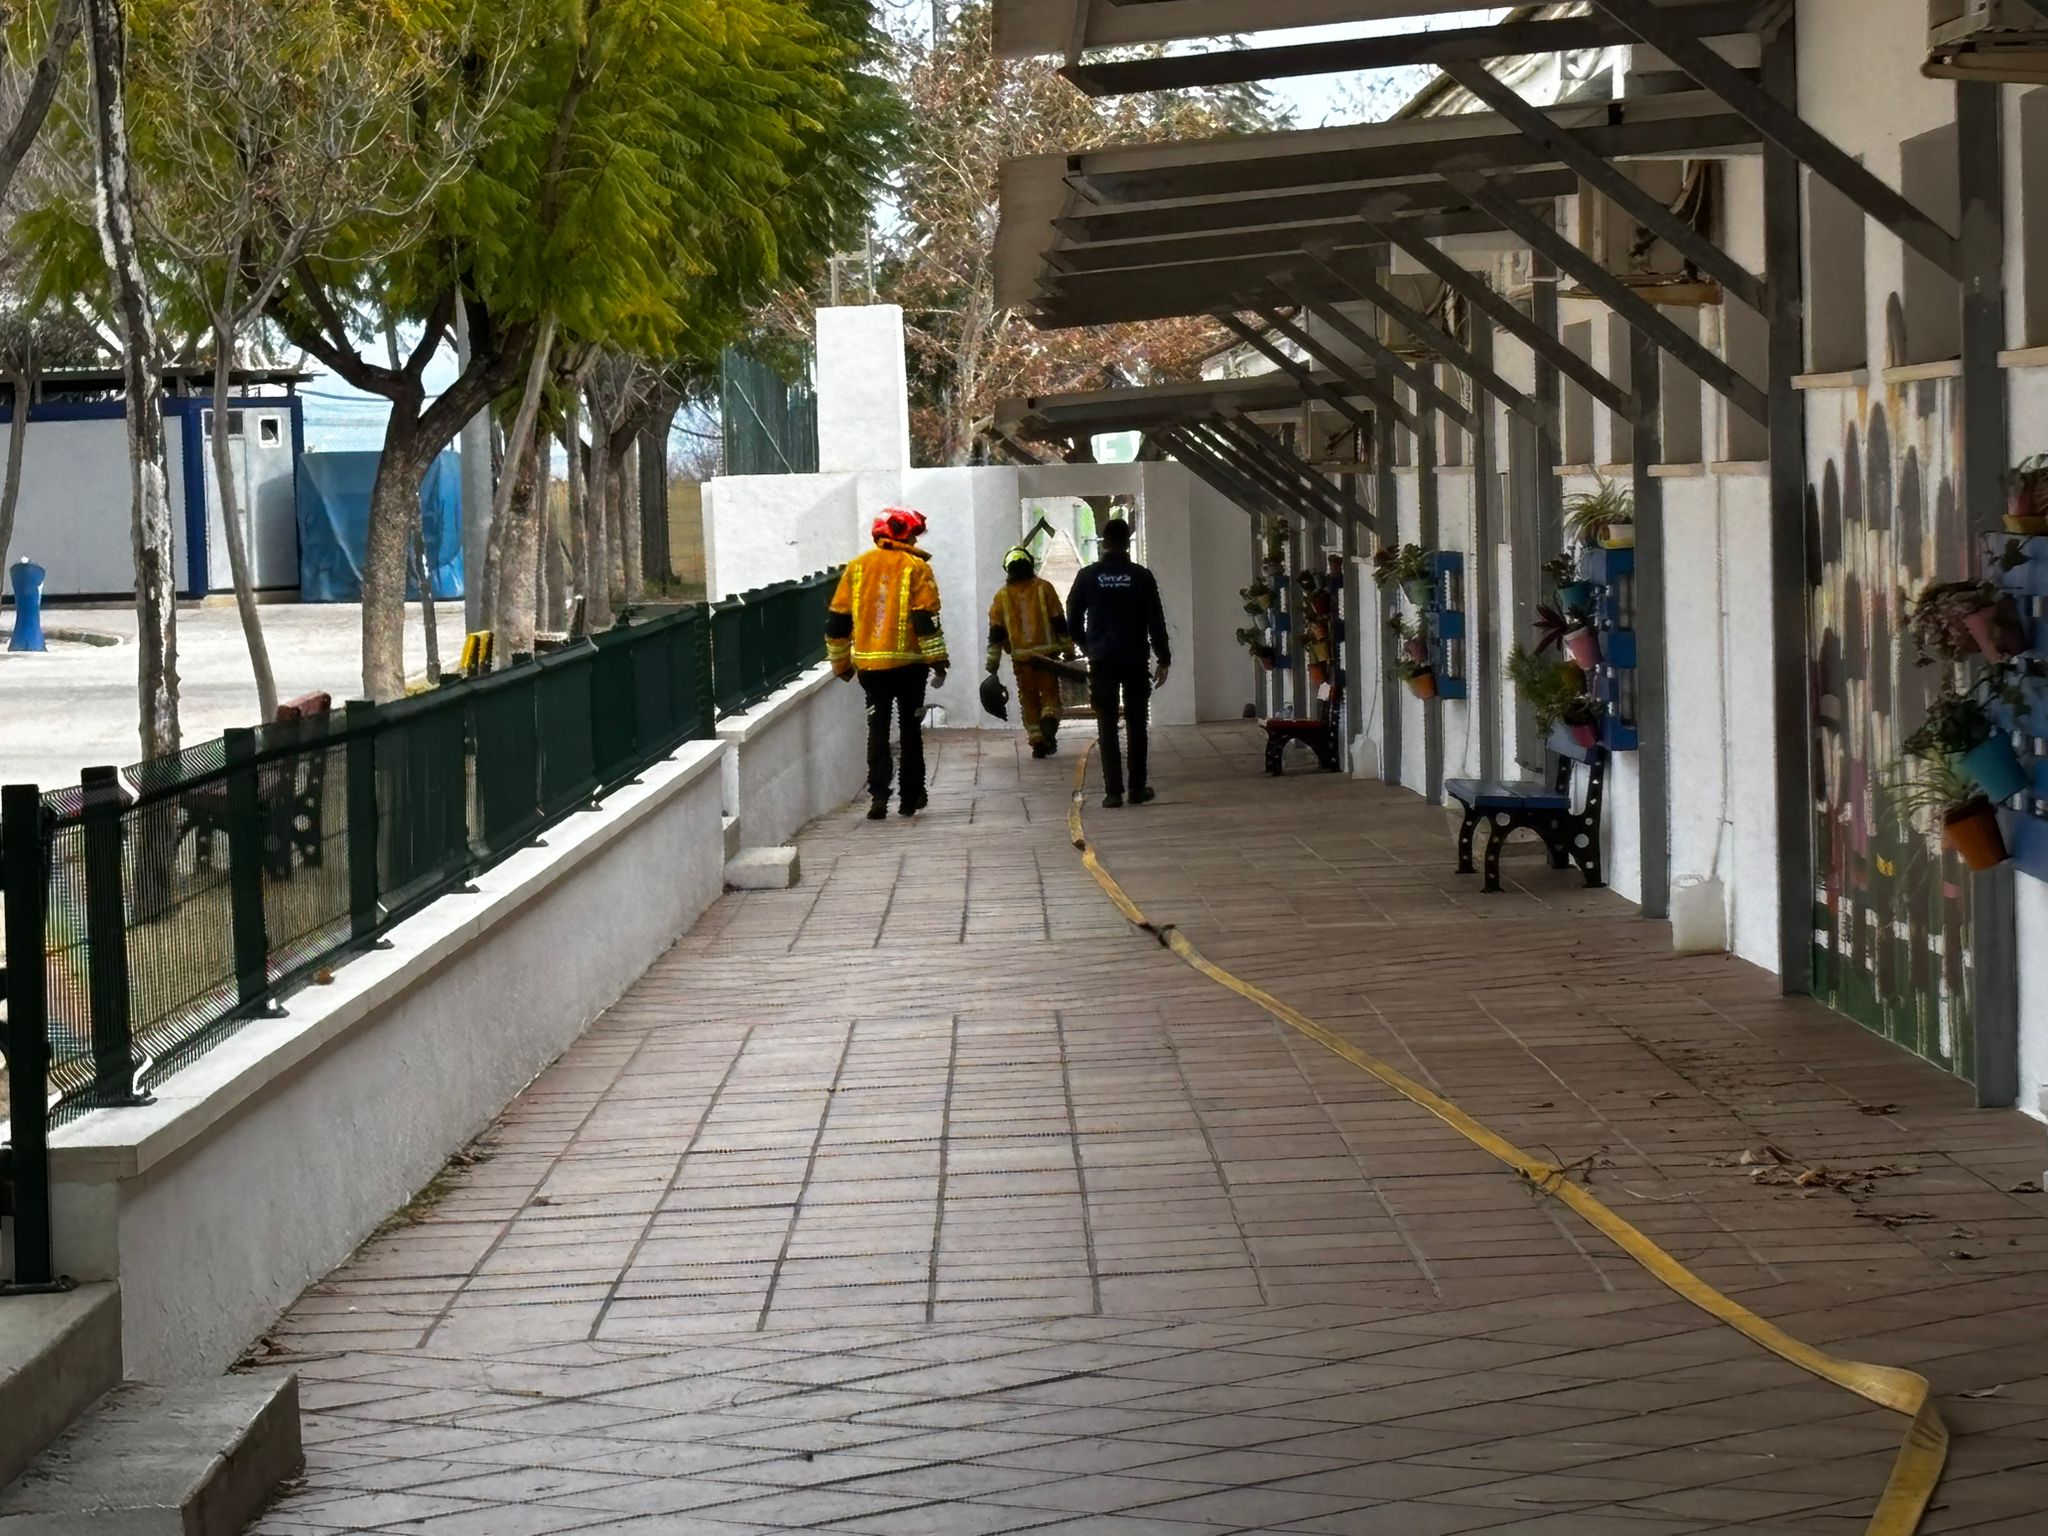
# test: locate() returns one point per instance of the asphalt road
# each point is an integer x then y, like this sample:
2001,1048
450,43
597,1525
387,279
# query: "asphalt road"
74,706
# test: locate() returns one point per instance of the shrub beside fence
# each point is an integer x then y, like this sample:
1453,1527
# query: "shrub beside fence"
181,898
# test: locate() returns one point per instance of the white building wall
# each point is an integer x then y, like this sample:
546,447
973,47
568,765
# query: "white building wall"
75,514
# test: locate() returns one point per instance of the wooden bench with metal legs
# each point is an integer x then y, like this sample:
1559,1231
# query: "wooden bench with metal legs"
1572,835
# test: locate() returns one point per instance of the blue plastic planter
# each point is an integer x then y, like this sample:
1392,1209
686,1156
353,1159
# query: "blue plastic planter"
1995,768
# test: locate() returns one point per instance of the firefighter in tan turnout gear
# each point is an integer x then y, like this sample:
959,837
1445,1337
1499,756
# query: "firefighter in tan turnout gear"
883,627
1026,620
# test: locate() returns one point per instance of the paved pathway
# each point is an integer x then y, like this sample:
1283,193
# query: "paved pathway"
930,1197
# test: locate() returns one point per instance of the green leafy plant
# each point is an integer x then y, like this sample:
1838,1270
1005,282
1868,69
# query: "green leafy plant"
2026,507
1561,570
1414,669
1956,723
1402,563
1938,619
1927,787
1553,624
1549,688
1258,597
1610,503
1582,710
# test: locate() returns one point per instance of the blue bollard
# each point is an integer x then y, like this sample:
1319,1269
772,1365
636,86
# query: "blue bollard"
28,607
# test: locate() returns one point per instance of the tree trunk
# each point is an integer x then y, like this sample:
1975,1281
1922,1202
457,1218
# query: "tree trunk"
504,543
42,89
597,557
23,382
513,600
231,524
577,576
156,587
423,574
657,560
626,477
394,509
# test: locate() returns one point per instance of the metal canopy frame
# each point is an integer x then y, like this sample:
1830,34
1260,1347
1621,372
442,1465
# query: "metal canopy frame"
1257,202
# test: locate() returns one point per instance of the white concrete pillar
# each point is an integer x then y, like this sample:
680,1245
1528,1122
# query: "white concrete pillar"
863,390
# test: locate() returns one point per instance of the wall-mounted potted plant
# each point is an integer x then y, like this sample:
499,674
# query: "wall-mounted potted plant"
1254,640
1258,597
1277,533
1969,821
1572,593
1961,620
1581,717
1959,731
1407,564
1572,632
1420,679
2026,508
1409,633
1605,515
1549,688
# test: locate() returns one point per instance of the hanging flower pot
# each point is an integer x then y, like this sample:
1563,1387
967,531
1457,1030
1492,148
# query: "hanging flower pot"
1422,684
1994,767
1996,629
1421,591
2026,525
1416,650
1973,832
2026,507
1618,536
1583,646
1586,735
1575,596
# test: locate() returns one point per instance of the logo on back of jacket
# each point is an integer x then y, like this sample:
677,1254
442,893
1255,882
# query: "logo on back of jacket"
1113,578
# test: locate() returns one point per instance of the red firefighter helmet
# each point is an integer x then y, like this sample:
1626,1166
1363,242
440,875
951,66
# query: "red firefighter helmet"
899,525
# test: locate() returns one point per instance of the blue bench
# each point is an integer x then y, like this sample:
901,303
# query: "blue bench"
1508,807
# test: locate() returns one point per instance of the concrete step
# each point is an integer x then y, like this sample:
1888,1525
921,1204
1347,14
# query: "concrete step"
763,869
57,1354
197,1459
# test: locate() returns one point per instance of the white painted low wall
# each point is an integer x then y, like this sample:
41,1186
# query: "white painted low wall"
267,1163
795,756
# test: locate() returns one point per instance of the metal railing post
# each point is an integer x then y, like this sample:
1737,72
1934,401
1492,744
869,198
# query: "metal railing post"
359,719
25,871
245,866
106,938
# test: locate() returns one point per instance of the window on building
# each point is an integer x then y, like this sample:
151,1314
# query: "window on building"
1578,405
1746,344
2034,215
234,423
269,431
1931,301
1452,436
1679,391
1837,314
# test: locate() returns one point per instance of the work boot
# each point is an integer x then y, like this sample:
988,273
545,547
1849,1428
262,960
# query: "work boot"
879,811
912,804
1142,795
1049,731
1041,749
1113,801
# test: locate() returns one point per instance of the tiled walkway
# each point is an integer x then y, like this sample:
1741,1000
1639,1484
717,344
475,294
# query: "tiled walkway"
930,1197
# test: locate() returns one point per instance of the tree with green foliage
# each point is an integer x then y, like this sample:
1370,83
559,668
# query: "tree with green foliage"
653,168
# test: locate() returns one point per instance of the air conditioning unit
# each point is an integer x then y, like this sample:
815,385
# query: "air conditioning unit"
1986,40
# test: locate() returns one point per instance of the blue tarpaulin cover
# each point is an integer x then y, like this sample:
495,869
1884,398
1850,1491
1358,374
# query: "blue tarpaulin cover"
334,521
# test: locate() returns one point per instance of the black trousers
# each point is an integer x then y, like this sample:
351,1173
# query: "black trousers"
1120,692
897,690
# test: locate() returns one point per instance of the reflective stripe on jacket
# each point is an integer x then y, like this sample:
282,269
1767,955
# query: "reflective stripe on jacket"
1026,620
886,612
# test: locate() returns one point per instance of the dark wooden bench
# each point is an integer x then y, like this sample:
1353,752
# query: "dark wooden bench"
1571,835
1319,736
289,792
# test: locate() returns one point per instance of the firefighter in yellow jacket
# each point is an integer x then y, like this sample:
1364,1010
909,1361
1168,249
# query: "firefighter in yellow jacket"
1026,620
883,627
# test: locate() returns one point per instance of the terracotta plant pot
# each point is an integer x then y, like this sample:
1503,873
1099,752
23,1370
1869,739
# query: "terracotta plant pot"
1973,832
1996,630
1266,662
1415,650
1583,646
1423,686
1994,767
1585,735
1618,536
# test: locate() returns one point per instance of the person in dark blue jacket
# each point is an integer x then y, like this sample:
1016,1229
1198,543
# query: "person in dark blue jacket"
1115,614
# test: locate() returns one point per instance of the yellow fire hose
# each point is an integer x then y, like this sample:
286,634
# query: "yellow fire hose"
1921,1457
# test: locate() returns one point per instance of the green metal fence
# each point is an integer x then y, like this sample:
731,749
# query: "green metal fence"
181,898
770,422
